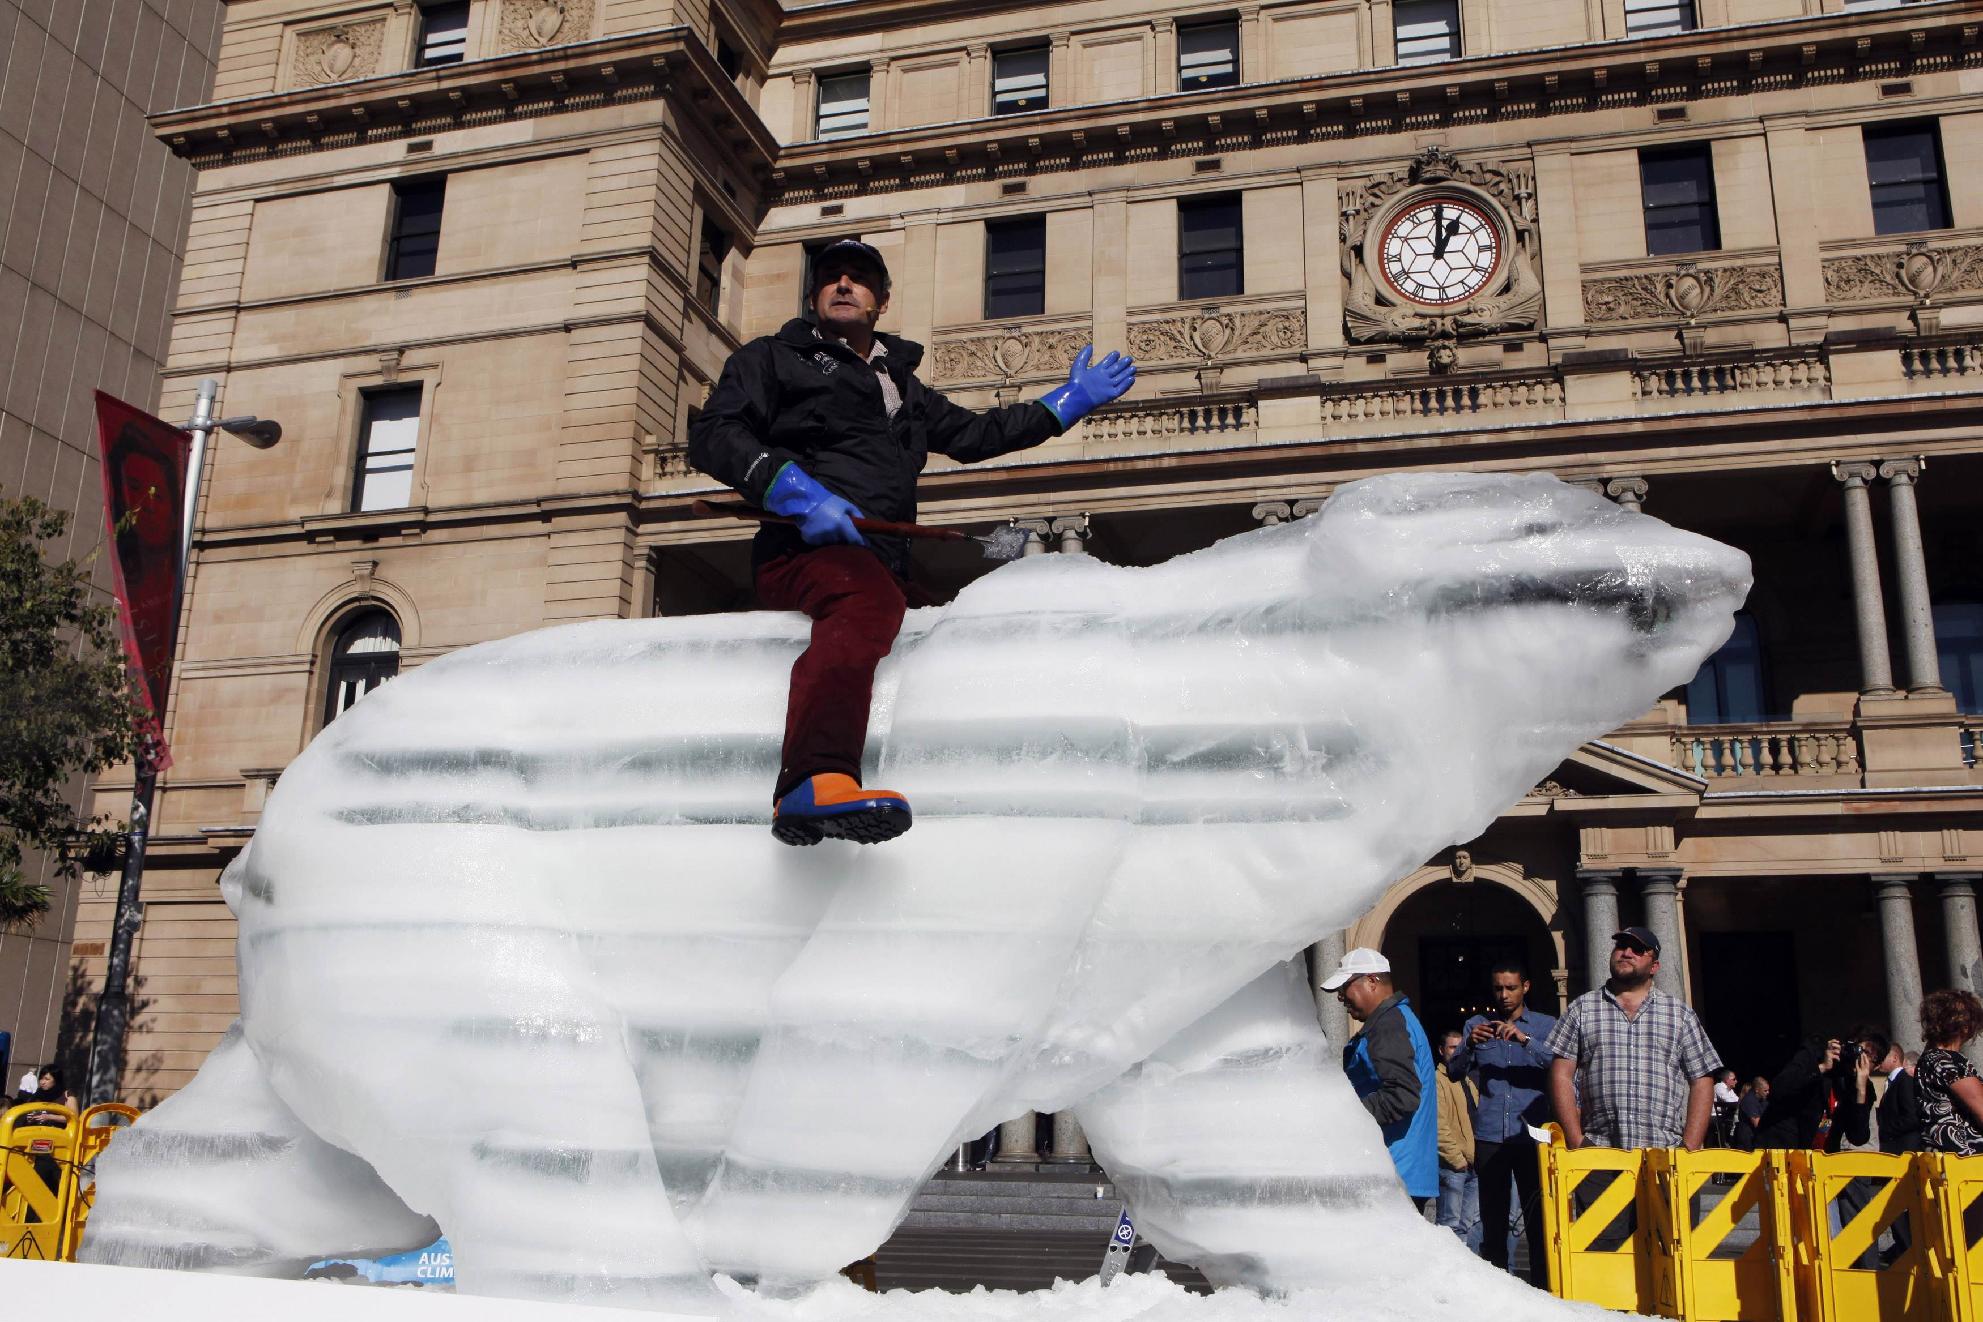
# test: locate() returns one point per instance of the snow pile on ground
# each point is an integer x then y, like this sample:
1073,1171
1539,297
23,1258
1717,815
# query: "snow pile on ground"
118,1294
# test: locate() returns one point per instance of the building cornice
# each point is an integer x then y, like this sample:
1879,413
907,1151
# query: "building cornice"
670,62
1782,55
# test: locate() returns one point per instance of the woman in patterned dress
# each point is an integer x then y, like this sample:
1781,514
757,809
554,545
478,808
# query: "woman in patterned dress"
1951,1092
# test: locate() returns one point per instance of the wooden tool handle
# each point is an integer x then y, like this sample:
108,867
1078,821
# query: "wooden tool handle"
737,509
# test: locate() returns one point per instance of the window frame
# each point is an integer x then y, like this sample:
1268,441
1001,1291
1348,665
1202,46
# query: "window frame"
1688,13
1012,225
819,117
400,235
1200,204
422,33
1401,9
363,452
337,666
1937,198
707,273
1236,74
1044,52
1709,225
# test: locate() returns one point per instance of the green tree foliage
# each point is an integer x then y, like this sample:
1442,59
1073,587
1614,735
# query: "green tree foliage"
68,705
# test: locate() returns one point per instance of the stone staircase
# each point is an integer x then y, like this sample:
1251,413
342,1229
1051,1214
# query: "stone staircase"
1013,1229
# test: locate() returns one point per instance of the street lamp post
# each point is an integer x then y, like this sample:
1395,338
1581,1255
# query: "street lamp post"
113,1008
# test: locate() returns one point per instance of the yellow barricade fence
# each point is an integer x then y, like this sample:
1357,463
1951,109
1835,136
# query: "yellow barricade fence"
46,1186
1775,1236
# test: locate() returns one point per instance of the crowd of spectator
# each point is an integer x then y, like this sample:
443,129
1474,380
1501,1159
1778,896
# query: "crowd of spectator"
1629,1066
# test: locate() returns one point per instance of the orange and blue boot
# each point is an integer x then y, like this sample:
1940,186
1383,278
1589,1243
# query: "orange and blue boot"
835,805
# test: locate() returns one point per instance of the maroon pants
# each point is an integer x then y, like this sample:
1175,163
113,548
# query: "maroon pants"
856,604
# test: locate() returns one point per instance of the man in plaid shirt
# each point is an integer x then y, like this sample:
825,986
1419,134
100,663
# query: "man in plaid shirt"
1647,1067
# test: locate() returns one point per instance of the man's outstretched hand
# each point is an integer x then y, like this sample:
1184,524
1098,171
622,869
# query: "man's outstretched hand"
823,517
1090,385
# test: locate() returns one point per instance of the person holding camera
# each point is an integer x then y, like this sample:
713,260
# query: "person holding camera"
1823,1098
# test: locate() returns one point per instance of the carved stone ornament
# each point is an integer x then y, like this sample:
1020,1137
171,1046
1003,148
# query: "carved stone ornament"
337,54
1009,356
1510,300
1921,272
1684,291
1208,337
531,24
1462,868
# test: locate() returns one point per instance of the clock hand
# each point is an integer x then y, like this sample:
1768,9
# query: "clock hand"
1439,235
1446,236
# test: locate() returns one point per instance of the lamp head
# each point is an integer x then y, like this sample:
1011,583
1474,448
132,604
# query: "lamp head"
258,432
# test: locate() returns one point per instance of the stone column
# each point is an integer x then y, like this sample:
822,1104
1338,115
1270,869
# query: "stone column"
1018,1141
1070,1145
804,103
1036,531
1073,532
1924,671
1060,70
1324,956
1869,607
1271,512
1629,492
1959,929
1661,890
1600,921
1896,897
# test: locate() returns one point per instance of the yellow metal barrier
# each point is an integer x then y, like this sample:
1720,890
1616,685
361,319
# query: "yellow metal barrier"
45,1185
1719,1218
1594,1225
1954,1187
1843,1204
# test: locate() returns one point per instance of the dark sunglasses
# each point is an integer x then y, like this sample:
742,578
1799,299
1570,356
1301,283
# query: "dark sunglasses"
1632,946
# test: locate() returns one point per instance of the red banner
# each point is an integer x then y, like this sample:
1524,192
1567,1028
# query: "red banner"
144,492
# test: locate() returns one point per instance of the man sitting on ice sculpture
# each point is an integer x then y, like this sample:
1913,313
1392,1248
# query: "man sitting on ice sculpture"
1139,793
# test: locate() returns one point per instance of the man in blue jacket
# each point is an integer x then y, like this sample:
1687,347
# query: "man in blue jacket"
824,423
1504,1052
1389,1063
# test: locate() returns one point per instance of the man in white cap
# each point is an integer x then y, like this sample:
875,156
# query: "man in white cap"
1389,1063
29,1082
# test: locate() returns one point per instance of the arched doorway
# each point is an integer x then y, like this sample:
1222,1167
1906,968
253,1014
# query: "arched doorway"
1444,938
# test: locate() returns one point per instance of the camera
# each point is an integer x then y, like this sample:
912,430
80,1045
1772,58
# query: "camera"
1848,1055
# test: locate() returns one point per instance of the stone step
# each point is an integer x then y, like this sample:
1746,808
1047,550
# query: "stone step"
1081,1207
1101,1225
961,1260
984,1186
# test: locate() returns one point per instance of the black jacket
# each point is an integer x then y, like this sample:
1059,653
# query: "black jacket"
798,396
1797,1103
1900,1116
1395,1060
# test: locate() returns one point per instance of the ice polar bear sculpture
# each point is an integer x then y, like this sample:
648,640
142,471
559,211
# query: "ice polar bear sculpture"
518,953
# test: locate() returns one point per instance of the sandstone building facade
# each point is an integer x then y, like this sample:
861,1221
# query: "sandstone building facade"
1719,259
93,227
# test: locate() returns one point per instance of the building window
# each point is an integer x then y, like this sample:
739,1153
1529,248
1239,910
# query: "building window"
1019,80
443,34
1209,247
1428,31
387,432
1657,18
1677,184
1728,688
1904,171
1016,267
727,59
710,254
365,655
1208,55
416,227
1959,648
843,104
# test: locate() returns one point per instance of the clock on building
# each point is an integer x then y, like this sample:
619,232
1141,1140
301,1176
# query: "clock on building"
1440,251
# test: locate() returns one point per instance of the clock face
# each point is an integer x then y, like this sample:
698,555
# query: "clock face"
1440,251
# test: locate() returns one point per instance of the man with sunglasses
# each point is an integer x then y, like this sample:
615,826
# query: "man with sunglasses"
1633,1067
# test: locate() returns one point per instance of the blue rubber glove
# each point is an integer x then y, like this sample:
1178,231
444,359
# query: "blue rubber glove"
1090,385
823,517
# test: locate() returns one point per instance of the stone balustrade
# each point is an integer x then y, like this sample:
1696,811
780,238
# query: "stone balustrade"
1937,362
1972,735
1152,419
1439,398
1723,752
1803,372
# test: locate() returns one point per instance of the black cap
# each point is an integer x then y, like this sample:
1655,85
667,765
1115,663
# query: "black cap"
850,250
1642,935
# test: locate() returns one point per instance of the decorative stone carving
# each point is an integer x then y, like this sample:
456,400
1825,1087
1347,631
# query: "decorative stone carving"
337,54
1512,300
1462,867
1008,356
1686,291
1214,336
531,24
1920,272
